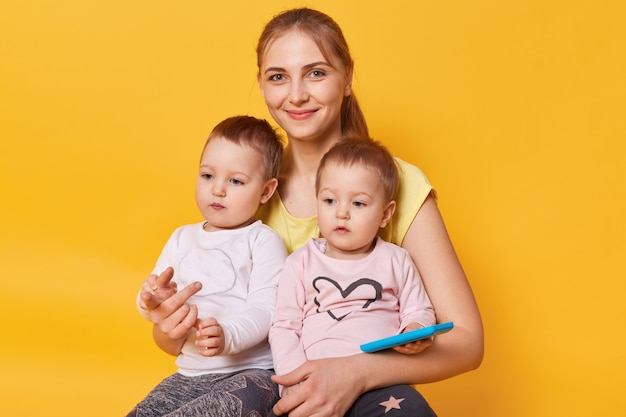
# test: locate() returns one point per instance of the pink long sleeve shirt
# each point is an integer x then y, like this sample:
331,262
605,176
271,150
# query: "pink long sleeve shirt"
328,307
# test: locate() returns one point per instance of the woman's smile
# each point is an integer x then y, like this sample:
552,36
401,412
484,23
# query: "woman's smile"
300,114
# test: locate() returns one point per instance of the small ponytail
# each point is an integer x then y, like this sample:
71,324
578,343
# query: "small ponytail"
353,122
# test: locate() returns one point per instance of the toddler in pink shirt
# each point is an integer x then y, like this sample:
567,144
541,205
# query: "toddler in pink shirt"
348,287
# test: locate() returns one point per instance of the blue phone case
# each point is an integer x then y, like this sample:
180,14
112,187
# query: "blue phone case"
407,337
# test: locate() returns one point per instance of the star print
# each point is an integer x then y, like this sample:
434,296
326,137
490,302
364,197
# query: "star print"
391,403
252,397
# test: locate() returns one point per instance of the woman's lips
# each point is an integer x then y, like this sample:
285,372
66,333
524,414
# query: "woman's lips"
300,114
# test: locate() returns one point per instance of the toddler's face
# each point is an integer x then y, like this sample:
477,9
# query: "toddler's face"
351,207
230,185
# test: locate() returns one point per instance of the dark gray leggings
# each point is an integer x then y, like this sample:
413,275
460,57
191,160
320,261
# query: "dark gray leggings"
394,401
249,392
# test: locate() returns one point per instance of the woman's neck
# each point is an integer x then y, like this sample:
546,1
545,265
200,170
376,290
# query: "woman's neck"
296,185
306,155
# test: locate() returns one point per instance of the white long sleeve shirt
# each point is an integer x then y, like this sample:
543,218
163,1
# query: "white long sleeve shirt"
239,271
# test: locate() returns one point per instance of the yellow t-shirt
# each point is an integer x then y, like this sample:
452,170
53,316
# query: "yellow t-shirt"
412,192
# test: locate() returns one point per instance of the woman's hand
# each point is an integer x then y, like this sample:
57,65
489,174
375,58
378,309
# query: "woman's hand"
325,388
168,309
210,337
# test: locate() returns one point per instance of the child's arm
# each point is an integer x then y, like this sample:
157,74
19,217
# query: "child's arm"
416,310
250,326
287,350
414,305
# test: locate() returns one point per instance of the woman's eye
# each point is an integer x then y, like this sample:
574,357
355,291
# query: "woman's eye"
277,77
317,74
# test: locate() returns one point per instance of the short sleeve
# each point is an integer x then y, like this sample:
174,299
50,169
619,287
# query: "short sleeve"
413,190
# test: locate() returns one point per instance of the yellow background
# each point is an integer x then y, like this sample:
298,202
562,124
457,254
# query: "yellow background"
515,111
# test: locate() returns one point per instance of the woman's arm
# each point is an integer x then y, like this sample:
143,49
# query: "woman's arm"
460,350
329,387
166,344
171,332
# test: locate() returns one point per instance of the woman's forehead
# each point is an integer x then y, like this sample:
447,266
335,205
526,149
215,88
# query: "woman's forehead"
297,48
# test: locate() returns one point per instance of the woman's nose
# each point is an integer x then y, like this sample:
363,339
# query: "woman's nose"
297,92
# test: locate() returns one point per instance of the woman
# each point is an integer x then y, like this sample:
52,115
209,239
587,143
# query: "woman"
305,76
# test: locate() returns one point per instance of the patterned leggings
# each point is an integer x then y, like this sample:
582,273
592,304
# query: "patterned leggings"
394,401
249,392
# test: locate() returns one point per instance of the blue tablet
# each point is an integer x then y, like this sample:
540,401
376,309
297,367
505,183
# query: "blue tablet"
402,338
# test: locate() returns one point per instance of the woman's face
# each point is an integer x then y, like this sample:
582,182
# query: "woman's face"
302,90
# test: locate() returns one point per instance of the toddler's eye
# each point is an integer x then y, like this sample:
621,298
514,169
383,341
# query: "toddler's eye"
235,181
329,201
359,204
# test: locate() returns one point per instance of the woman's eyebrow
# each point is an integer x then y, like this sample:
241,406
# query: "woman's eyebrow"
316,64
274,69
306,67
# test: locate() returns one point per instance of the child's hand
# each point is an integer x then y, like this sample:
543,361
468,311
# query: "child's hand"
156,289
210,337
412,348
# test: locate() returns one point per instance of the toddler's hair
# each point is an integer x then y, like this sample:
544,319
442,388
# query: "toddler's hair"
255,133
367,153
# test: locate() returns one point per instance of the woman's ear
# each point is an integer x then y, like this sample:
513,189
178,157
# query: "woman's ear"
258,81
268,190
388,213
348,89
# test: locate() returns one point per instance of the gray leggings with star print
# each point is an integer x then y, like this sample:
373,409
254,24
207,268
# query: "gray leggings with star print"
396,401
234,395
